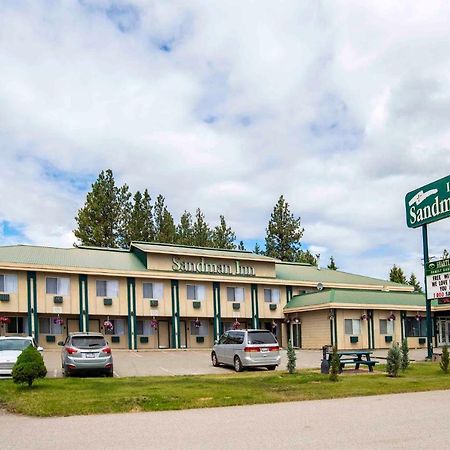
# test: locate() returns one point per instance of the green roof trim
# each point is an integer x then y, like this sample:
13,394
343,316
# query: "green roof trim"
76,257
308,273
357,297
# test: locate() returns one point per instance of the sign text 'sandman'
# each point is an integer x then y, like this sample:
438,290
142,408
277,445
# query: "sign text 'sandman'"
208,267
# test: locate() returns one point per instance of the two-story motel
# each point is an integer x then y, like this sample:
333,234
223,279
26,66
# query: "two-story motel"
156,295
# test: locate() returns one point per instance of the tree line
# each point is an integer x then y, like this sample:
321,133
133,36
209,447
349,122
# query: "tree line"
113,217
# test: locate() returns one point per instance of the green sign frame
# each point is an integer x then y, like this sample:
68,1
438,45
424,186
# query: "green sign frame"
437,267
428,203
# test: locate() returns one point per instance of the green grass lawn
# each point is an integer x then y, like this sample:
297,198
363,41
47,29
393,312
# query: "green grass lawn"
65,397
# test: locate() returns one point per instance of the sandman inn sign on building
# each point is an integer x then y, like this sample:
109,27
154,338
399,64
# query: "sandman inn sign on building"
428,204
201,266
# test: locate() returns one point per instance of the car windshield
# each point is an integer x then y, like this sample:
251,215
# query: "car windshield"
261,337
88,341
14,344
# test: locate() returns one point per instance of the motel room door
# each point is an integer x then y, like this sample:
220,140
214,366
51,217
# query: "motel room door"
183,340
296,335
73,325
94,325
163,334
443,331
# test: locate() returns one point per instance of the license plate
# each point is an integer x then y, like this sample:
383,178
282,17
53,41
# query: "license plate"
264,350
89,355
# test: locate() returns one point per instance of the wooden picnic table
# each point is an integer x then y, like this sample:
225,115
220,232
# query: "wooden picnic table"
357,357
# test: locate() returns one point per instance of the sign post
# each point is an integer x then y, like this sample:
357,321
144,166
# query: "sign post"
425,205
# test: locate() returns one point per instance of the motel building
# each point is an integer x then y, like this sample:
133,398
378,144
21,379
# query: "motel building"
159,296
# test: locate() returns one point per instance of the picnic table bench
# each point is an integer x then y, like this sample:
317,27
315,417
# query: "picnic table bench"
356,357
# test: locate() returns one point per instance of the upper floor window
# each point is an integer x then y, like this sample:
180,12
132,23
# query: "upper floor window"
107,288
386,326
152,290
272,295
57,286
8,283
235,294
352,326
195,292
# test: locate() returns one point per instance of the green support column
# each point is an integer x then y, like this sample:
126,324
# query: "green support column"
402,323
369,328
175,314
427,302
132,325
288,293
84,302
255,308
373,329
33,323
335,328
217,314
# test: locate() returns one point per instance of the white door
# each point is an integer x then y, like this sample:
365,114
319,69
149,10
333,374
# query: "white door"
443,332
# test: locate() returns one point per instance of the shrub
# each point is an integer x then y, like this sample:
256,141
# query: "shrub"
291,364
405,355
445,360
335,365
394,361
29,366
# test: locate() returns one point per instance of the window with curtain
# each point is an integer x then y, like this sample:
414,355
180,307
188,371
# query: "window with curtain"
352,326
195,292
235,294
153,290
386,326
8,283
17,325
203,330
271,295
57,286
48,326
144,328
107,288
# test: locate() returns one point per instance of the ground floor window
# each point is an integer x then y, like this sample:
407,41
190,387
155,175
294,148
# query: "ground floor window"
48,326
118,327
415,328
352,326
17,325
144,328
386,326
199,328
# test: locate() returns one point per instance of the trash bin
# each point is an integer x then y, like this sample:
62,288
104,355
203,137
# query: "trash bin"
326,352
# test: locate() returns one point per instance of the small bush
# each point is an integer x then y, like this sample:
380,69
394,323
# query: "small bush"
292,358
29,366
335,365
445,360
394,361
405,355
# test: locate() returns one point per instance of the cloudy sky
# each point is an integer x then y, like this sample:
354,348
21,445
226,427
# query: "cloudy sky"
342,106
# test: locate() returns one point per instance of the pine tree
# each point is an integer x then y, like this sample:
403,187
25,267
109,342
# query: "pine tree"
445,359
332,265
414,282
445,254
394,361
201,233
283,233
223,236
405,355
165,230
291,357
306,257
335,365
140,223
100,220
397,276
257,249
241,246
184,229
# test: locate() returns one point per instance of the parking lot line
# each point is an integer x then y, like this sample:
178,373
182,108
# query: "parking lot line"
168,371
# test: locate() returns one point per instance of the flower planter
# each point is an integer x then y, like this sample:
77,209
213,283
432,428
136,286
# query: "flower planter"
115,339
197,305
236,306
153,303
353,339
200,339
4,297
422,341
107,301
57,299
388,339
50,338
273,306
143,339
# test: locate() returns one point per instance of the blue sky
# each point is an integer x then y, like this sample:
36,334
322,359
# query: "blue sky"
340,106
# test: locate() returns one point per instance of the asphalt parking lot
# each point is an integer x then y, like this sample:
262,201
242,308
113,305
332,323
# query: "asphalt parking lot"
128,363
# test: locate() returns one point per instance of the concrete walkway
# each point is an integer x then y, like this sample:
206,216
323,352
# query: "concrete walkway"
401,421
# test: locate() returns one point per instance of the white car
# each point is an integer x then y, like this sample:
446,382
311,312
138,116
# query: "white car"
10,348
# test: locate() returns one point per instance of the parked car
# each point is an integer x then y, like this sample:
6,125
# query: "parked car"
246,348
10,348
86,352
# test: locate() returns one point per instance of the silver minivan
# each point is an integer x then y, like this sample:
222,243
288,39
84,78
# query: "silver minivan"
246,348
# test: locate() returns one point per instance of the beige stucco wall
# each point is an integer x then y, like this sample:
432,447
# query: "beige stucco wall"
119,304
264,308
186,306
143,308
315,329
343,340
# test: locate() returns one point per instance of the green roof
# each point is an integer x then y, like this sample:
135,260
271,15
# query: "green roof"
355,296
308,273
76,257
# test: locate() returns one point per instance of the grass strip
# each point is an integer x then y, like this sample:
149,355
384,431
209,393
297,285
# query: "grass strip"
74,396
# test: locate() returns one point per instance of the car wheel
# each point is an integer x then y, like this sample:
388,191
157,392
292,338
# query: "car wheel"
110,372
271,367
238,364
215,361
66,372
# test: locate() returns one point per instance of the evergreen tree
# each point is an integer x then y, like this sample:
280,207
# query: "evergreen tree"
396,275
291,357
307,257
414,282
405,354
201,233
124,218
100,220
184,229
394,361
140,223
283,233
445,359
223,236
29,366
241,246
335,366
257,249
332,265
445,254
165,230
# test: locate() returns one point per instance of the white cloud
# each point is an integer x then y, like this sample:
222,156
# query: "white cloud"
343,109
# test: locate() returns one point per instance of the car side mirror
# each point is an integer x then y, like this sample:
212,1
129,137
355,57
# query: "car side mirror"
40,349
60,343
